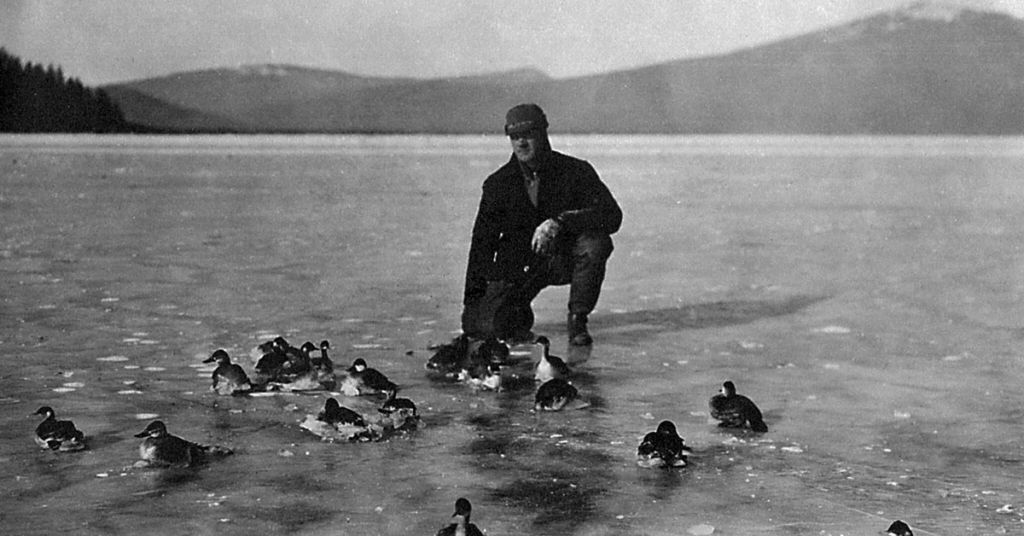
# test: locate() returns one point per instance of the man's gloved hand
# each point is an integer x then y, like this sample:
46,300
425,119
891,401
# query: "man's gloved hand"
544,236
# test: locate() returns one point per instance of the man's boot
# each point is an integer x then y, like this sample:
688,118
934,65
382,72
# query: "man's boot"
578,335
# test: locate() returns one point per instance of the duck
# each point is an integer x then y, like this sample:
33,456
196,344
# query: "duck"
400,412
491,350
228,378
393,404
299,373
735,410
492,381
288,367
162,449
554,395
335,414
57,435
336,422
323,363
474,365
271,363
483,377
261,349
449,358
550,366
662,448
297,360
363,380
322,368
899,528
461,526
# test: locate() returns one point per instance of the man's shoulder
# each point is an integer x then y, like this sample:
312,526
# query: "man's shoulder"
509,171
567,162
564,159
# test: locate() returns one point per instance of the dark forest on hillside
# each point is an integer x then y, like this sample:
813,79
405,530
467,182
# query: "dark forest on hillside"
38,99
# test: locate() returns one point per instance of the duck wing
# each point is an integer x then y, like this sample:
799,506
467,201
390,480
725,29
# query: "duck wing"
555,394
230,379
374,379
237,374
559,365
167,450
342,415
270,363
446,360
53,433
201,453
727,410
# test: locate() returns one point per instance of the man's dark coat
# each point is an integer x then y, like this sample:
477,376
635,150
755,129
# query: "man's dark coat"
570,192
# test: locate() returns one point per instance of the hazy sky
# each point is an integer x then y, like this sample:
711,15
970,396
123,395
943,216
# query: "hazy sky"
101,41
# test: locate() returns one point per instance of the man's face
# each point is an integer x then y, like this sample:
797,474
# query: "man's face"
528,145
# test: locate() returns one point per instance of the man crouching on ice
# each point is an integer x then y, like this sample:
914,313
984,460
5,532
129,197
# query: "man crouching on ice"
545,218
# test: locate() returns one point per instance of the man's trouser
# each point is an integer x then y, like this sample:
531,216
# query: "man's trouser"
504,310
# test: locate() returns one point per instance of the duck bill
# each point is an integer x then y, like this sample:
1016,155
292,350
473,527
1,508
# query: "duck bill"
143,433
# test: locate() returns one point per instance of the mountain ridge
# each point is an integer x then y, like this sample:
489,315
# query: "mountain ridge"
926,68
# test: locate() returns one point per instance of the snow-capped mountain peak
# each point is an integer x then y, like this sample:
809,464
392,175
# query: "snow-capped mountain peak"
941,10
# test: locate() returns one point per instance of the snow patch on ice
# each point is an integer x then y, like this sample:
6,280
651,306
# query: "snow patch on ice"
832,330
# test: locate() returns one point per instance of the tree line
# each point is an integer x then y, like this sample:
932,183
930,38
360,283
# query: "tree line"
38,99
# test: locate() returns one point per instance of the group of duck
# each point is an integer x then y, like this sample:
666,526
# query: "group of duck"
159,448
462,526
477,363
283,367
280,367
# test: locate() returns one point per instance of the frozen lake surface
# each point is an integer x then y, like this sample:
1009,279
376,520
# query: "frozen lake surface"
867,293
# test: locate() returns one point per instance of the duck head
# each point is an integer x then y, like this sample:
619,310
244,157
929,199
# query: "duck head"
387,408
220,356
331,405
155,429
728,389
46,411
358,365
899,528
463,508
667,428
